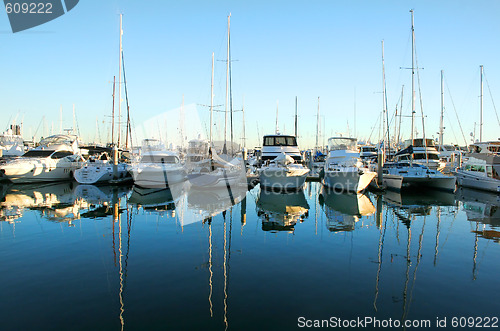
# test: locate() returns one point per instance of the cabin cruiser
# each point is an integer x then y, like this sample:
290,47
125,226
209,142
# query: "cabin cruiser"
56,158
343,168
480,171
398,175
368,153
283,174
420,151
158,169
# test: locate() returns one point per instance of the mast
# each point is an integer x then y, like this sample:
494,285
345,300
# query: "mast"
317,128
441,127
230,87
128,129
244,134
384,105
481,107
227,84
277,107
296,131
113,114
211,101
412,78
120,84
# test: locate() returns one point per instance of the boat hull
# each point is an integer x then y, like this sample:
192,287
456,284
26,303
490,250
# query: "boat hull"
93,174
158,177
282,179
38,171
348,181
478,182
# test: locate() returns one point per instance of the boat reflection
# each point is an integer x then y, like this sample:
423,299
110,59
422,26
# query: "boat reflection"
101,195
281,211
157,199
481,207
343,210
206,203
55,201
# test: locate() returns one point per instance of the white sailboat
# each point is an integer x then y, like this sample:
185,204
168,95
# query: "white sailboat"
411,174
211,171
104,169
481,169
344,169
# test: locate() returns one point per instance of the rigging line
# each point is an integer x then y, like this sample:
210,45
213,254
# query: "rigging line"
420,100
455,109
451,126
491,96
373,128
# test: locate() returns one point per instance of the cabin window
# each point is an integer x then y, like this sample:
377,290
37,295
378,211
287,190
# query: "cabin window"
280,141
37,153
477,168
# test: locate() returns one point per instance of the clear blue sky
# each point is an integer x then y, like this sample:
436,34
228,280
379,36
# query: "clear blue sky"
283,49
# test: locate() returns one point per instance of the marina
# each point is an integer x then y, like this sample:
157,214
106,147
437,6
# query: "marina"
151,201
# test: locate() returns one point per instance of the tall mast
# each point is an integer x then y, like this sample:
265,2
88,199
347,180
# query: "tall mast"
277,107
441,124
113,114
412,77
481,107
211,100
296,131
317,128
120,84
384,105
244,134
227,83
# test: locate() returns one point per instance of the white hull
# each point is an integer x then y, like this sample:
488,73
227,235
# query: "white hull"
349,181
473,180
157,176
281,179
99,173
393,182
42,170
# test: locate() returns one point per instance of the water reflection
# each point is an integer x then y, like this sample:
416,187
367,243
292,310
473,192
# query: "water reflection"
480,206
343,210
206,203
158,200
281,211
55,201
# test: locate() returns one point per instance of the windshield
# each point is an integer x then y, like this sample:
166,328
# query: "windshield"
342,143
37,153
280,141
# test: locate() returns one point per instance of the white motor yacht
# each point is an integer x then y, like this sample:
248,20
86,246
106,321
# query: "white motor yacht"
282,174
158,169
344,169
56,158
480,171
403,175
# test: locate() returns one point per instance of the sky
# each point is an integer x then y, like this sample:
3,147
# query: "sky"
280,50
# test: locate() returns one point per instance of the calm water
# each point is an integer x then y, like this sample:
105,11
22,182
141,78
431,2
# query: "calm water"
85,257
